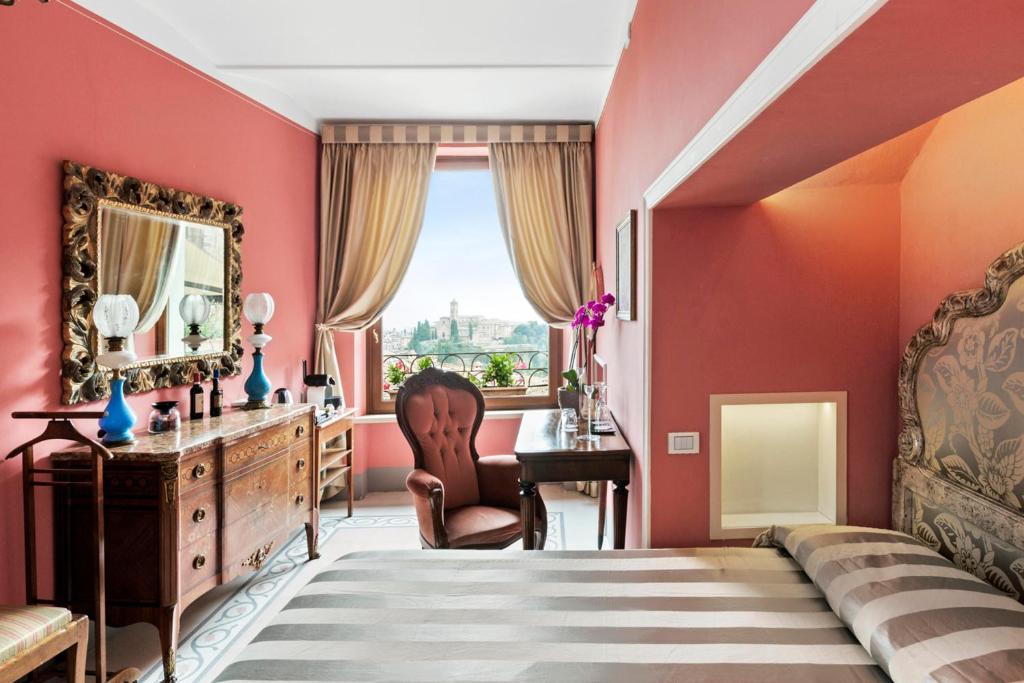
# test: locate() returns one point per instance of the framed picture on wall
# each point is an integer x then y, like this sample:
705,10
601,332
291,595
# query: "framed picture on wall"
625,267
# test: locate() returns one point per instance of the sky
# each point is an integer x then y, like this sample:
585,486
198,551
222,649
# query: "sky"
460,255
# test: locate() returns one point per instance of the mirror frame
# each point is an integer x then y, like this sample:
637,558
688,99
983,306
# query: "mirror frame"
86,189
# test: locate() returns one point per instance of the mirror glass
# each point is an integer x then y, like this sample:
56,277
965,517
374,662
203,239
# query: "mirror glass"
159,259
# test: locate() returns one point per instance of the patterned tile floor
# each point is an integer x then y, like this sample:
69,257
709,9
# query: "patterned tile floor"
225,619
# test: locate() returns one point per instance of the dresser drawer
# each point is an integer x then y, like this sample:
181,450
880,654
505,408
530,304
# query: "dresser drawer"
258,446
197,515
246,537
198,469
300,461
300,502
262,486
197,561
257,553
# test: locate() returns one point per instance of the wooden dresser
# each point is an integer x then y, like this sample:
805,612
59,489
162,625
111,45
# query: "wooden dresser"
187,511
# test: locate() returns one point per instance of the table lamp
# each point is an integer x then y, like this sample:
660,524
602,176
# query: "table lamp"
194,310
115,317
259,309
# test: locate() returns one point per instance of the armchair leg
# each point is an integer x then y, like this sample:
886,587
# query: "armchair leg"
528,512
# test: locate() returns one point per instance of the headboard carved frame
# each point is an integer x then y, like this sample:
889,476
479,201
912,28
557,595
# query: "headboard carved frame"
958,478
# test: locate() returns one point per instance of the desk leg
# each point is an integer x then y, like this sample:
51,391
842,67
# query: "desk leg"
528,512
350,436
602,503
621,496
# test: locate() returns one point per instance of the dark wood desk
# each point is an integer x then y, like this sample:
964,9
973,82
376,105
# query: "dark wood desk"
547,454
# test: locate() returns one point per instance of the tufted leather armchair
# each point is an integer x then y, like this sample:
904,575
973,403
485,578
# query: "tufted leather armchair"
462,500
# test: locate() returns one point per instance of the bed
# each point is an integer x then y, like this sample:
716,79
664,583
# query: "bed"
936,598
659,615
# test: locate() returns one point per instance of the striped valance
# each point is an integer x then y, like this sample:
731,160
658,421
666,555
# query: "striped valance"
456,132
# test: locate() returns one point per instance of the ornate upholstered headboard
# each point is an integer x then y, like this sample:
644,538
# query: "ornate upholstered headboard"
958,483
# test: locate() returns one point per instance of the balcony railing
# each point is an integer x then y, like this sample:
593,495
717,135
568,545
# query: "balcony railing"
530,367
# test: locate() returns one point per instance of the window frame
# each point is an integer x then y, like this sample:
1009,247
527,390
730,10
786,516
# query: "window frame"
377,405
458,157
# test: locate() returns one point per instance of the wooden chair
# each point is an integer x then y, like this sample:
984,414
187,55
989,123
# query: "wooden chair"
32,635
43,628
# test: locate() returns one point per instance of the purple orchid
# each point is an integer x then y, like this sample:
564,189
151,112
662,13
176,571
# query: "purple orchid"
591,315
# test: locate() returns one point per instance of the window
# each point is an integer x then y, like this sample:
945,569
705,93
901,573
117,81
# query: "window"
460,306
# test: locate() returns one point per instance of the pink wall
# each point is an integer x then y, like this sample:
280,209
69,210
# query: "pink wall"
847,265
908,63
961,203
795,293
76,88
684,60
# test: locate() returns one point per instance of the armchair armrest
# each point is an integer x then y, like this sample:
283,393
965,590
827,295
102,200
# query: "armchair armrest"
428,499
424,484
498,478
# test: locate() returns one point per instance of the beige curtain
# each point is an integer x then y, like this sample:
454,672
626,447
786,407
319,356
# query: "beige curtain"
372,199
137,257
545,195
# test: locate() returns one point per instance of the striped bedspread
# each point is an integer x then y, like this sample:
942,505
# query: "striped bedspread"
706,614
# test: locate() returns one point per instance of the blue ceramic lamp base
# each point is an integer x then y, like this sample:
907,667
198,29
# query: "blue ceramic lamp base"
118,418
257,387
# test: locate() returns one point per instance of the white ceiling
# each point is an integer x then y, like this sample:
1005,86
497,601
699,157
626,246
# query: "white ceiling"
316,60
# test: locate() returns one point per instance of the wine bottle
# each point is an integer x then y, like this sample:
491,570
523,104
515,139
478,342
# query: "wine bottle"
216,396
195,399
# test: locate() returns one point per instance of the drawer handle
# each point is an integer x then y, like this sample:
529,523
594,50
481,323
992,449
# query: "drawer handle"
199,515
300,464
300,430
199,471
299,499
199,562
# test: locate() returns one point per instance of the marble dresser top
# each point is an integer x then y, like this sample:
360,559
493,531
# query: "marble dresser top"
195,435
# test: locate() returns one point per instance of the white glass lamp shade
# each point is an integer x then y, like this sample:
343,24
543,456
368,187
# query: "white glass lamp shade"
115,315
194,309
259,308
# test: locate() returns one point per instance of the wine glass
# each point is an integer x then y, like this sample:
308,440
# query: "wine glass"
588,393
602,416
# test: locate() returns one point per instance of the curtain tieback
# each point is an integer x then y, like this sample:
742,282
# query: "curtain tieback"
321,327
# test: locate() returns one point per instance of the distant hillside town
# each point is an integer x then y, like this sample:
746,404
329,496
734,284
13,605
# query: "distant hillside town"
455,333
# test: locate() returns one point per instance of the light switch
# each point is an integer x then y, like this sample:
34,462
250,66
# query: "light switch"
682,443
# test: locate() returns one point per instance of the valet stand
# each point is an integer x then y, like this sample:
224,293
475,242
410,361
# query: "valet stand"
59,428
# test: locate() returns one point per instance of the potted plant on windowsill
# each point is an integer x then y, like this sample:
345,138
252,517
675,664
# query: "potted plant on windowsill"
394,377
585,324
498,378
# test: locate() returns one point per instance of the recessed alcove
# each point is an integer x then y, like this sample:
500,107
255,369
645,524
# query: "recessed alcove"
776,459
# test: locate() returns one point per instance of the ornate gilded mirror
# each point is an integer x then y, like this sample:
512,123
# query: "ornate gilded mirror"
176,253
